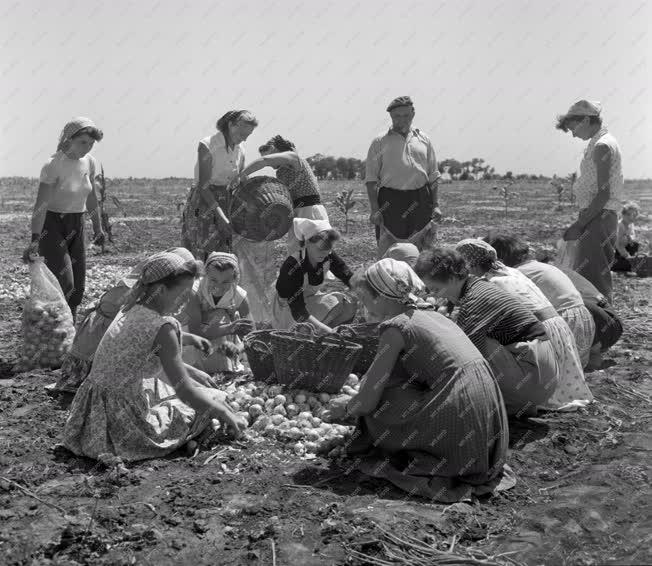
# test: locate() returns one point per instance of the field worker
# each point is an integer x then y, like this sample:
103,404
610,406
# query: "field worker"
598,190
77,363
403,251
511,338
571,391
429,399
608,327
220,157
140,400
218,311
554,284
66,190
297,175
299,297
626,244
402,181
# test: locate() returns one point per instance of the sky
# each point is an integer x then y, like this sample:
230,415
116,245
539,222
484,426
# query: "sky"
487,77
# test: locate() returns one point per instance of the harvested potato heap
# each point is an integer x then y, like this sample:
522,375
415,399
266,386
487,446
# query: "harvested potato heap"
294,417
47,326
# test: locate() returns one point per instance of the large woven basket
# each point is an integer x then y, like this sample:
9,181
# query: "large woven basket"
303,361
367,336
259,354
261,209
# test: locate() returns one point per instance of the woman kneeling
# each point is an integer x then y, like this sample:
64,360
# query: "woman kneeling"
502,327
299,297
429,404
140,400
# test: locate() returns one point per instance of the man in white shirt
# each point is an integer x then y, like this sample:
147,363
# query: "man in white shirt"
402,181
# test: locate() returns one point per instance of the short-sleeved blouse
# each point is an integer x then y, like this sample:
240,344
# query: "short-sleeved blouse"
71,181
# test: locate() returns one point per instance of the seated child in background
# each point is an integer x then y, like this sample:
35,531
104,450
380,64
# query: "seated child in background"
626,244
218,311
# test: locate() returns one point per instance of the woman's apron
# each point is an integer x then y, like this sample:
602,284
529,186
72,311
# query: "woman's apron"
323,306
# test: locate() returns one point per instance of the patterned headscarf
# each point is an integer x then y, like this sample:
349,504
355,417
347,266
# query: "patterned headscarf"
205,294
183,253
403,251
395,280
475,251
156,267
71,128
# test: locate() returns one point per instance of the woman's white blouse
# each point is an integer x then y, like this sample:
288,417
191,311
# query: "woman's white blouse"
226,163
586,186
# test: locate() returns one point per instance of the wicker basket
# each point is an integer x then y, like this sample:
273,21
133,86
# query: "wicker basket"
367,336
261,209
320,364
642,265
259,354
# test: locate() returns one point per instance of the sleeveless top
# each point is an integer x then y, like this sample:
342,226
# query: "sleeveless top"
226,163
586,186
302,183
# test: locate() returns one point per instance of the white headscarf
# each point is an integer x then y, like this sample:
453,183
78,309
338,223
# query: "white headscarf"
395,280
205,293
305,228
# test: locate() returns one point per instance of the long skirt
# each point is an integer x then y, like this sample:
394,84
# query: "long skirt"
571,385
313,212
527,373
199,231
257,275
445,445
596,250
102,423
582,326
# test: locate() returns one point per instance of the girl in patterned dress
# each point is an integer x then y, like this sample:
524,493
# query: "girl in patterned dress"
140,400
294,172
571,389
502,327
430,416
218,311
555,285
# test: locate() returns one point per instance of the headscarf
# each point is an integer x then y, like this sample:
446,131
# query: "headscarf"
182,252
475,251
205,294
395,280
156,267
305,228
403,251
71,128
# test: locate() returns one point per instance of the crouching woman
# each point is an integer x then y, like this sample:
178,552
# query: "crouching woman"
502,327
430,415
299,293
140,400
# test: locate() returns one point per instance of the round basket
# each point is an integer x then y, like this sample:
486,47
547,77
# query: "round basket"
368,337
320,364
259,354
261,209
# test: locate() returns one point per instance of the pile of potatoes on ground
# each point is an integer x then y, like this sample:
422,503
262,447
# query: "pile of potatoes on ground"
292,416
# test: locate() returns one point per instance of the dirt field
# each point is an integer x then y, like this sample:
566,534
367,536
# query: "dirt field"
583,495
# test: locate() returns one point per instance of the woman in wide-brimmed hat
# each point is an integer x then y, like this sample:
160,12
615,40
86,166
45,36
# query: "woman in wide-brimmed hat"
598,190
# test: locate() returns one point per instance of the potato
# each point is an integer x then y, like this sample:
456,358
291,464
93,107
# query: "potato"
255,410
278,419
299,448
311,447
280,400
352,380
279,410
292,410
324,397
300,398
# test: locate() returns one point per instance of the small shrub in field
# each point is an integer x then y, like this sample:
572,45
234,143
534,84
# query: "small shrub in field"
507,193
345,204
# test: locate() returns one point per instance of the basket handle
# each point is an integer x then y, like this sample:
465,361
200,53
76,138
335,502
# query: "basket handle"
261,347
346,331
303,328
